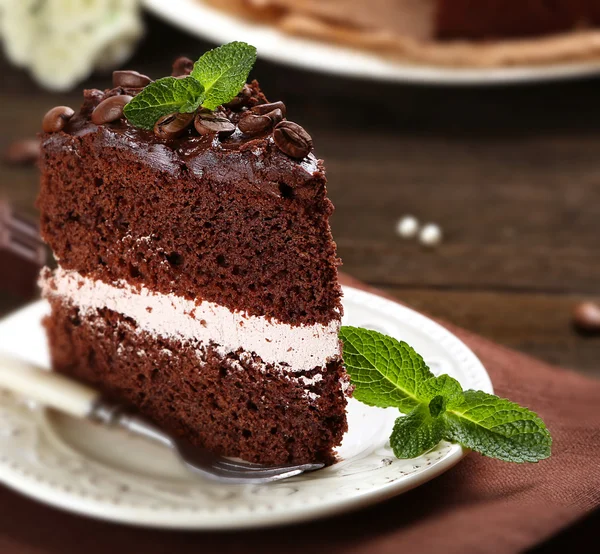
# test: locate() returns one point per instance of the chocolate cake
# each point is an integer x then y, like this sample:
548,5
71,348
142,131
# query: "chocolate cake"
485,19
197,275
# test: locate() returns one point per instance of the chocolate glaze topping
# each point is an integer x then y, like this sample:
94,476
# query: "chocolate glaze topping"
255,158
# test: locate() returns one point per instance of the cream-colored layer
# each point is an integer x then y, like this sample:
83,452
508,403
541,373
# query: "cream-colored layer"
300,348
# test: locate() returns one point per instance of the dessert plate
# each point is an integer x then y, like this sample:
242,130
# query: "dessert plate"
220,27
108,474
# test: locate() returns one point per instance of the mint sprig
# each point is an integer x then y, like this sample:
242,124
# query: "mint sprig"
385,372
223,72
216,79
416,433
498,428
163,97
444,386
389,373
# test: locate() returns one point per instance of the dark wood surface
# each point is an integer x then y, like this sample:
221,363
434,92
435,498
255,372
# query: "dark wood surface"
512,175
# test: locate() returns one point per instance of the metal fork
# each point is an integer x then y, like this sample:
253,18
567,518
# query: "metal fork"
76,399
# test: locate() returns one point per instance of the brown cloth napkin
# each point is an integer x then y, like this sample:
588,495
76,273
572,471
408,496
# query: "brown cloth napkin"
481,505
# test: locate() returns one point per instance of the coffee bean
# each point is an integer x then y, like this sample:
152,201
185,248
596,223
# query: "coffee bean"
110,110
123,91
23,152
56,119
266,108
586,317
276,116
210,123
292,139
254,124
130,79
173,125
241,100
182,66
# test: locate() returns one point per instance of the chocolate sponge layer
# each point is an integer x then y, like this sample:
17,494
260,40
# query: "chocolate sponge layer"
230,404
236,222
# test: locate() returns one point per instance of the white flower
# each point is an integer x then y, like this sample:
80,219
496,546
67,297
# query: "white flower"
63,41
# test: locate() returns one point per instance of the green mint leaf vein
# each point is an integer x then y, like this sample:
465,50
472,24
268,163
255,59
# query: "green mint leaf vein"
389,373
223,72
162,97
416,433
498,428
385,372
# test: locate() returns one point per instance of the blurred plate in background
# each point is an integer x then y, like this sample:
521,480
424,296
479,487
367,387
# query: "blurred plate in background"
220,27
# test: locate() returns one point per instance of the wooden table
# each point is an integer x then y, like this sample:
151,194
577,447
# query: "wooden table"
511,174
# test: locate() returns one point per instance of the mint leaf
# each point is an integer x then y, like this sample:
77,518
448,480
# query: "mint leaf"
216,78
437,406
162,97
389,373
498,428
384,371
416,433
223,72
444,386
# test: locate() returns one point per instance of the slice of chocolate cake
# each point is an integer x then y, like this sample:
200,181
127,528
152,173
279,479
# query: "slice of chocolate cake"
197,276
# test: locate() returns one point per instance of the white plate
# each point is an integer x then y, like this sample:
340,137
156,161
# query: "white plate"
220,27
111,475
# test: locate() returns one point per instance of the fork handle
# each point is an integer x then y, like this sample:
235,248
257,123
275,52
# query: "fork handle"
46,387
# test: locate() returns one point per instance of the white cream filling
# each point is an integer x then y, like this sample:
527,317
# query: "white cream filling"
296,348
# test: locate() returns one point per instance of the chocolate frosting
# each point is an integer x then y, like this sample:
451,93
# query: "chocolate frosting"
253,159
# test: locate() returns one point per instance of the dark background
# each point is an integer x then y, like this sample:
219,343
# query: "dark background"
511,174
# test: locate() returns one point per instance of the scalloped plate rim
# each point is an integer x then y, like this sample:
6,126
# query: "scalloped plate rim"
55,495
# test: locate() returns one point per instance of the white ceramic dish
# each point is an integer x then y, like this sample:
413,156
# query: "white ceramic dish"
108,474
220,27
